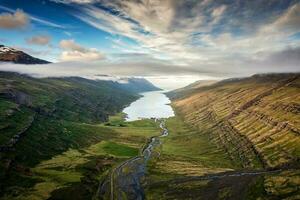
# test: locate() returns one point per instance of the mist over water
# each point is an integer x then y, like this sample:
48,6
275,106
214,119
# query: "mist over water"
152,104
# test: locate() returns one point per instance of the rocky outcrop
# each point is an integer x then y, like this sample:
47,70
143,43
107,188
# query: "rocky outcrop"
271,121
292,107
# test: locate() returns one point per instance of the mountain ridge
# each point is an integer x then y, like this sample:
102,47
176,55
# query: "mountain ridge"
230,109
138,85
8,54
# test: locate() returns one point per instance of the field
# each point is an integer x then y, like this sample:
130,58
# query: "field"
78,172
189,165
235,139
189,152
56,136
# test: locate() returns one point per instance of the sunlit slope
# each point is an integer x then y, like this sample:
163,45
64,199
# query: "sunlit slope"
27,102
256,120
42,118
189,89
55,137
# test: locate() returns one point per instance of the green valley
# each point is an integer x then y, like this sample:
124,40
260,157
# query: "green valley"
149,99
59,135
235,139
65,138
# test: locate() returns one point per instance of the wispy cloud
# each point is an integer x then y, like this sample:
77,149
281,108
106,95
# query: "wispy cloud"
176,37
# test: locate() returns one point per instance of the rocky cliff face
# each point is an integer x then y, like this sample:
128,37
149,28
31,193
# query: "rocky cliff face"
256,120
8,54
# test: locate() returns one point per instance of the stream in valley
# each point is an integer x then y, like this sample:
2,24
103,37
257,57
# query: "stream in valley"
126,179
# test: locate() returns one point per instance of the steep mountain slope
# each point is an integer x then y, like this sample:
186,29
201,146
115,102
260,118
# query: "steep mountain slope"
235,139
42,118
256,119
8,54
189,89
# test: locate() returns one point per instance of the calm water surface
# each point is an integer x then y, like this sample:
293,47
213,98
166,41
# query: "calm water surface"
152,104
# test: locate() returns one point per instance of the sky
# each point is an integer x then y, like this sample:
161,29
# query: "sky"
171,42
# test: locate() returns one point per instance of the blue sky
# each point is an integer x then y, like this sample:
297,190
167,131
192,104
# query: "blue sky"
221,38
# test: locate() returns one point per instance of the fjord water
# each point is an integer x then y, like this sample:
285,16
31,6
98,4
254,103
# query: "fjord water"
151,104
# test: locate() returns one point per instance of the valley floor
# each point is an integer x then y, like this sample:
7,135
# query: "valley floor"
236,139
187,165
190,166
78,172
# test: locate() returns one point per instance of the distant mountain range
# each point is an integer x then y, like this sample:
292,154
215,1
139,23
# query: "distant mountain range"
137,85
8,54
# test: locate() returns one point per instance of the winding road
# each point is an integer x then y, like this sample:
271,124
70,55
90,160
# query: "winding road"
126,179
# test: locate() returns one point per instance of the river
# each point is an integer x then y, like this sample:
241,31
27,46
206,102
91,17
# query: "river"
126,179
154,104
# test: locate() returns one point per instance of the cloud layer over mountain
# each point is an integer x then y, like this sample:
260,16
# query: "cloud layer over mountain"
160,37
215,36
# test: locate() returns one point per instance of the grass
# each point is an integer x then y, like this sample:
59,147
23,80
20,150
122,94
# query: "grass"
185,152
188,152
247,117
206,139
118,150
191,144
84,164
6,107
14,122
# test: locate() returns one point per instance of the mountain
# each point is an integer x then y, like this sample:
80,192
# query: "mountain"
181,92
137,85
235,139
8,54
44,117
256,119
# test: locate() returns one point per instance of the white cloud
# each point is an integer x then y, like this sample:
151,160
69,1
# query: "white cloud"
217,13
199,36
18,19
289,21
89,55
39,40
75,52
71,45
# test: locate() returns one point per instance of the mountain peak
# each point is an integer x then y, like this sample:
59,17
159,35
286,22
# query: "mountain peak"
9,54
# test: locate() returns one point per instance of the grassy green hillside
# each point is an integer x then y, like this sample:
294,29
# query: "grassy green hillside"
190,165
256,120
235,139
55,136
79,172
189,89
